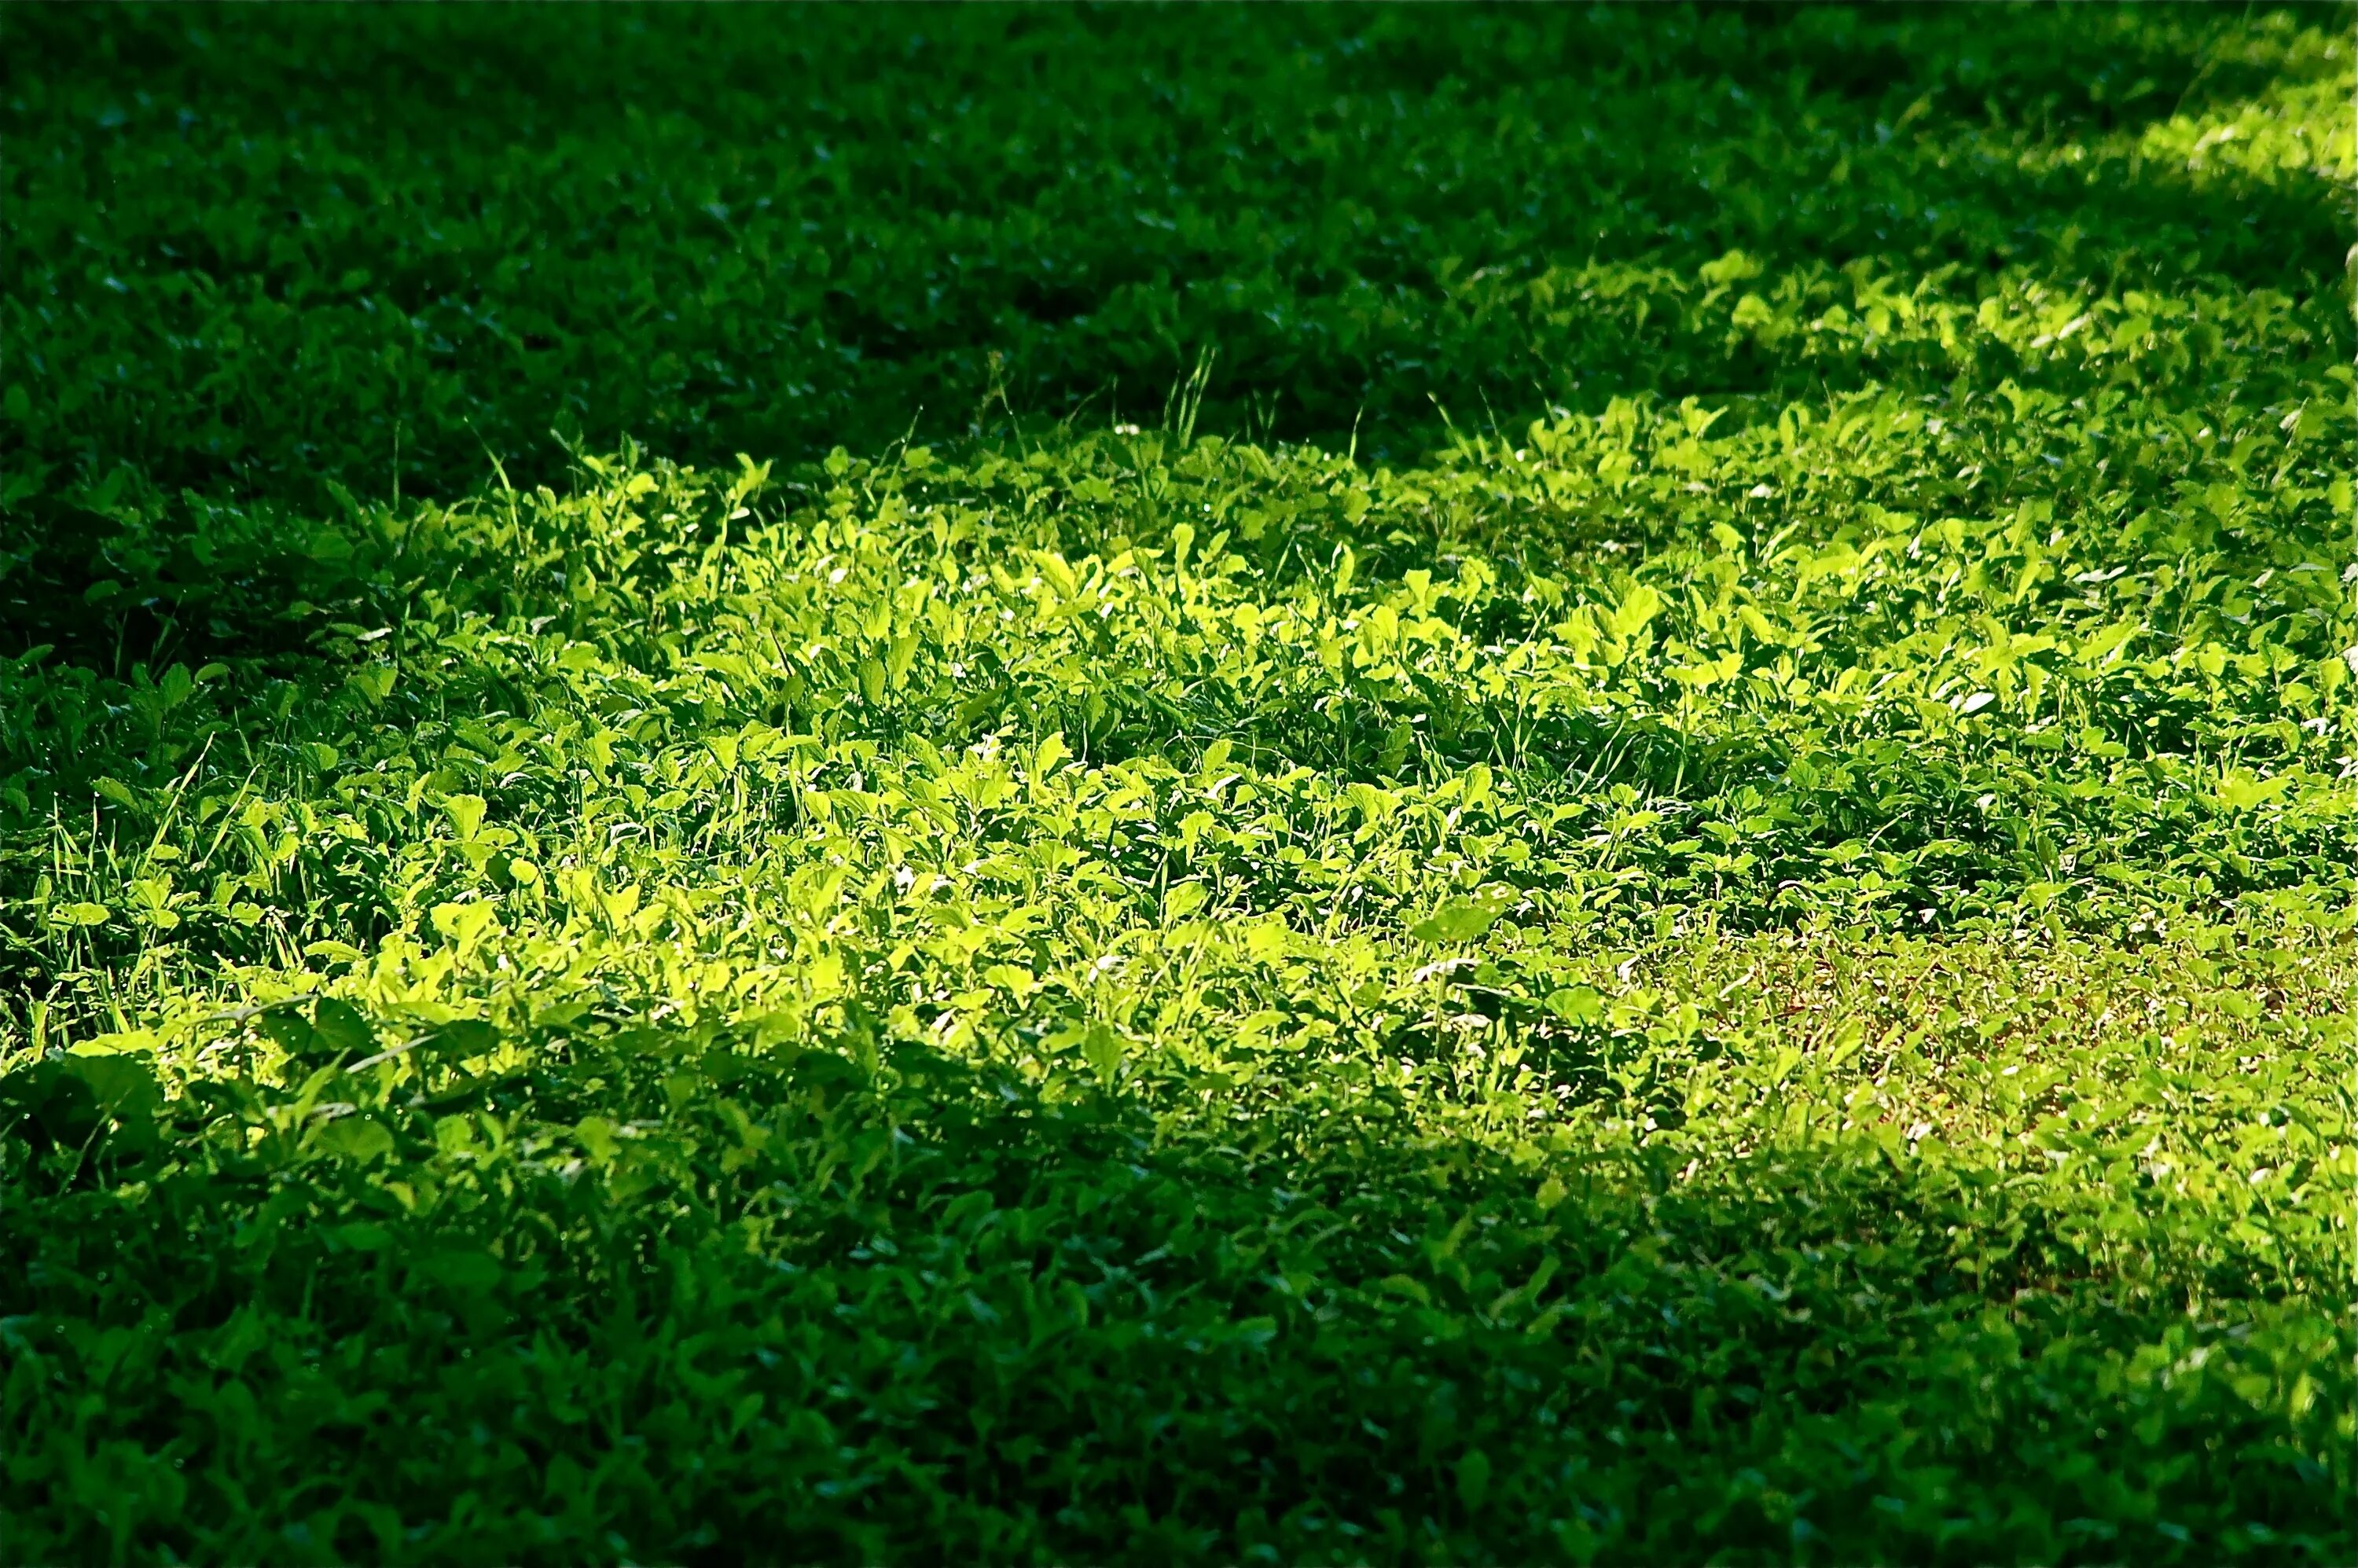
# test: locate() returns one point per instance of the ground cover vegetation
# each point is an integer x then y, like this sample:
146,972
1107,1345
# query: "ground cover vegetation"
1288,786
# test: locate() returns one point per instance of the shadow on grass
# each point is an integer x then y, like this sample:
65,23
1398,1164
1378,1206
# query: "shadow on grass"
790,1310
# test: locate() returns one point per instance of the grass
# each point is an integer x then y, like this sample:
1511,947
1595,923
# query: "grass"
1455,785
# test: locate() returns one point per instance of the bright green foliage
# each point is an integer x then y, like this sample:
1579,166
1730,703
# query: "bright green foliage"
1752,962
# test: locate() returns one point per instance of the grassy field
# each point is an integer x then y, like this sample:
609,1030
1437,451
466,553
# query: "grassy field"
1290,786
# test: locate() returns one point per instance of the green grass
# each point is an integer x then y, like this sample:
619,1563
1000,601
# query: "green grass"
1447,785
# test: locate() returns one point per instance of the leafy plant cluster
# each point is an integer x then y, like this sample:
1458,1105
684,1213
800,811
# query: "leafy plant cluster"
1753,962
266,260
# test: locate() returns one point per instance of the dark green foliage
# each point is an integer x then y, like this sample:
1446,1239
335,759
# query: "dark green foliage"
281,259
1509,785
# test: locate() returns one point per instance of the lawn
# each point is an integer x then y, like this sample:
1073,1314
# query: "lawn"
1298,784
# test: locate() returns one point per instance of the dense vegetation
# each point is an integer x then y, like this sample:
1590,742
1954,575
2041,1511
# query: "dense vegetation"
1305,785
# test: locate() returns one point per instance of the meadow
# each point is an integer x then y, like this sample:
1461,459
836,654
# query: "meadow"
1295,785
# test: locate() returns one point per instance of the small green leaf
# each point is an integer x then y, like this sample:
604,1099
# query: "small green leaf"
1473,1478
359,1235
2240,790
341,1026
1102,1048
596,1136
464,925
287,1030
462,1038
357,1139
465,814
1458,920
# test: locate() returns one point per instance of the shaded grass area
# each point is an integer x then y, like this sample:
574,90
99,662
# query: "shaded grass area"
671,1293
1091,951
